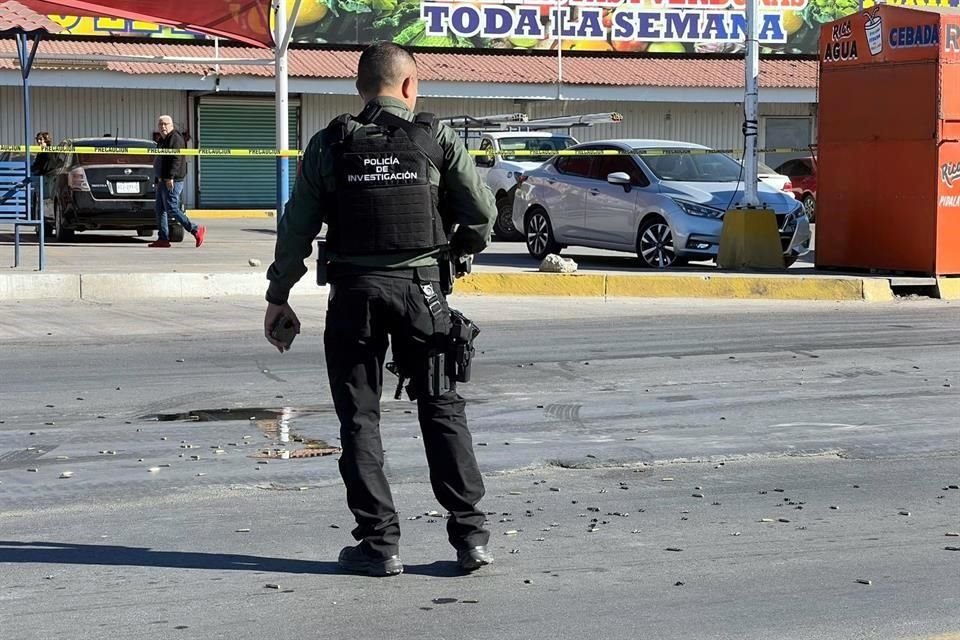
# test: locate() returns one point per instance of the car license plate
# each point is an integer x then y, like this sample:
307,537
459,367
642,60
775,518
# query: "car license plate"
128,187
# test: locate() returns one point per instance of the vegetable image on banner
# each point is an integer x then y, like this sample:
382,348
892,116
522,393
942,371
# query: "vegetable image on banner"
655,26
611,26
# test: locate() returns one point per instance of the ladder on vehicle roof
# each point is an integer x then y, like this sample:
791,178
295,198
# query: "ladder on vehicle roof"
522,122
472,127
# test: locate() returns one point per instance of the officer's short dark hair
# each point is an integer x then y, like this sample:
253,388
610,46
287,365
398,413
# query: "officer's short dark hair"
382,65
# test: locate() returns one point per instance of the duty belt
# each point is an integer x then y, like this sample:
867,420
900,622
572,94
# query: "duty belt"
432,299
417,274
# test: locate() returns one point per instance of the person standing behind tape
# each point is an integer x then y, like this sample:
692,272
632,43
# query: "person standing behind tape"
170,171
42,167
374,179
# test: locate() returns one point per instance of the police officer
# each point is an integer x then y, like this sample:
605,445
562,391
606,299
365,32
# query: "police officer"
376,180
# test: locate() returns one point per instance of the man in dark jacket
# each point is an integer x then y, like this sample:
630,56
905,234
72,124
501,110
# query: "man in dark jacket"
170,171
375,179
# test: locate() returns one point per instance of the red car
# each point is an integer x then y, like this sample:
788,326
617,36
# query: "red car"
803,178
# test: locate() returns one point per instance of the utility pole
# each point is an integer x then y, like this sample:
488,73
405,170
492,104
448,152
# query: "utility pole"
282,101
751,99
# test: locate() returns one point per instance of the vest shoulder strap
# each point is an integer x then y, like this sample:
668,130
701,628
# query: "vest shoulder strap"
426,119
421,132
336,131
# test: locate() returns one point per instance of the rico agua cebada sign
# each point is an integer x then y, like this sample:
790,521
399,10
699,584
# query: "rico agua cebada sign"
921,35
950,176
654,20
842,45
951,41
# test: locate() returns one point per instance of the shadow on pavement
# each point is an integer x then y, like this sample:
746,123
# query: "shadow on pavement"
506,260
438,569
109,555
266,232
81,239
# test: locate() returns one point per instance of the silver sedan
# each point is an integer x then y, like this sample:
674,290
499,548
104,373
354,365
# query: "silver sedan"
654,198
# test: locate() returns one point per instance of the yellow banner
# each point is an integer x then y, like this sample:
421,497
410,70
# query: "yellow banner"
101,26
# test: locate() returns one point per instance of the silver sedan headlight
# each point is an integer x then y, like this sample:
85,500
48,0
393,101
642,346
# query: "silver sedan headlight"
699,210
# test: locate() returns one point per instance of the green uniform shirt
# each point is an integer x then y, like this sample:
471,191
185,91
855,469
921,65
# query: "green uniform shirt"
468,202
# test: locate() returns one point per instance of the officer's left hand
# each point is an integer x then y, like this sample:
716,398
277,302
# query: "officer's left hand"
274,311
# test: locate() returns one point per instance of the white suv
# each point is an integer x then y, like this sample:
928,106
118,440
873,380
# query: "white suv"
501,171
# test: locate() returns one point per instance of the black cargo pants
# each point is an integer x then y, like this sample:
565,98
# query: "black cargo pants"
365,309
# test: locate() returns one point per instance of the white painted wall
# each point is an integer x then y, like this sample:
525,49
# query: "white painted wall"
75,112
712,124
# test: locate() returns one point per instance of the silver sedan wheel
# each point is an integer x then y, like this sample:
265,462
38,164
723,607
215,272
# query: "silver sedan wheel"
656,246
538,234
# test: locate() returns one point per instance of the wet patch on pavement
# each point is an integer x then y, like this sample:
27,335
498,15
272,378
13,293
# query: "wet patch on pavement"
274,423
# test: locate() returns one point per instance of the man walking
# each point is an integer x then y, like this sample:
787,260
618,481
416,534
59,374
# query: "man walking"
376,180
170,171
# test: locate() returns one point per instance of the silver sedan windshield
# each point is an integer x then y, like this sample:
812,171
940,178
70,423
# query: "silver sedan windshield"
697,167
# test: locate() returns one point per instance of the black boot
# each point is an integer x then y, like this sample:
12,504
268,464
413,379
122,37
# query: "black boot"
474,558
359,559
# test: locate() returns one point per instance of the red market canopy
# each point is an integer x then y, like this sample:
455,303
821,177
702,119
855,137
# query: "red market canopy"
242,20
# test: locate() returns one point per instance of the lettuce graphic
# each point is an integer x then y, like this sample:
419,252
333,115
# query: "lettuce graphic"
821,11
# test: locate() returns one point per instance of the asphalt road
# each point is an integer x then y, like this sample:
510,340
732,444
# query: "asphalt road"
849,406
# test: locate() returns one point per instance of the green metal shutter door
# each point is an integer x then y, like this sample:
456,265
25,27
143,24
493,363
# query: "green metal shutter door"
241,182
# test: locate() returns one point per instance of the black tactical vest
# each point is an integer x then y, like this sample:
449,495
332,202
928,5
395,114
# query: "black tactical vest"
385,202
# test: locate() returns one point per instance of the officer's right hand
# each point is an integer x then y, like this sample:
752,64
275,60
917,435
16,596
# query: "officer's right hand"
272,316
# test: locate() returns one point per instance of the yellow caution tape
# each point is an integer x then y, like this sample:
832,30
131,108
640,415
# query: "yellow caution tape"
676,151
294,153
147,151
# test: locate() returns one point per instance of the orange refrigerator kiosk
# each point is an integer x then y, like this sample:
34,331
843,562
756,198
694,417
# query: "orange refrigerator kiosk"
888,160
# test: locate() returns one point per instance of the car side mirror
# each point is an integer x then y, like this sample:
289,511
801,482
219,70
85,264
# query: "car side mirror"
485,161
621,178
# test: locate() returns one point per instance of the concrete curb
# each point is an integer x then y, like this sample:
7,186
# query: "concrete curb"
107,286
948,288
719,286
39,286
112,286
532,284
220,214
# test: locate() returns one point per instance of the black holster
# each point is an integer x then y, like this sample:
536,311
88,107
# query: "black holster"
460,340
451,268
448,361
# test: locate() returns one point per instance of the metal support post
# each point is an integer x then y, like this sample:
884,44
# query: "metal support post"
750,105
559,23
26,55
22,52
282,105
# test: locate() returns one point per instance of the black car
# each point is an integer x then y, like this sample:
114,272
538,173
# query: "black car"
104,191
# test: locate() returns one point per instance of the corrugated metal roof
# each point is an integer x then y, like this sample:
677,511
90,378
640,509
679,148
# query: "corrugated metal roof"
662,71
